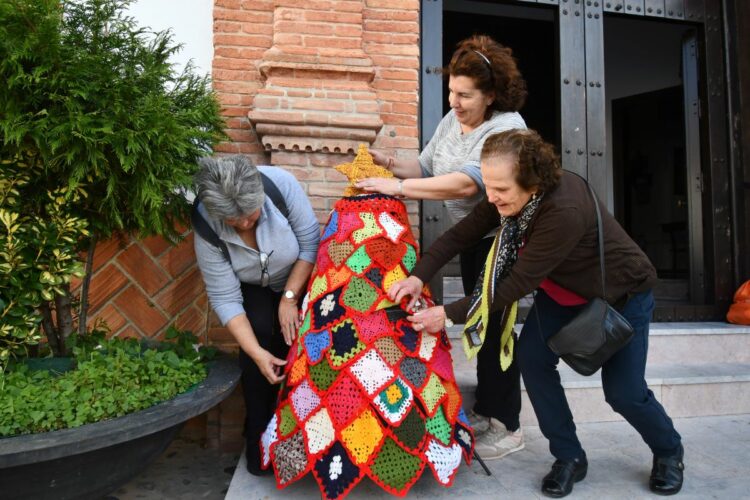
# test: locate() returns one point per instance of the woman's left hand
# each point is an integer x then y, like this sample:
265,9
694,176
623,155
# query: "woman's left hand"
387,186
431,320
289,320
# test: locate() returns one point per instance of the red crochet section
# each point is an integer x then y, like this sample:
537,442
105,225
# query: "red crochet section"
365,395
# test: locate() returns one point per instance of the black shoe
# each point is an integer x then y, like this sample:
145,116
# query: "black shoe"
666,474
559,482
256,470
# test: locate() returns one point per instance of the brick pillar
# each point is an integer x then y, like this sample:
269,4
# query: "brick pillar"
302,83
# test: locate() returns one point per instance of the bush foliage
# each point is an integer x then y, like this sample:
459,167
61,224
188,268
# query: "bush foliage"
101,135
112,378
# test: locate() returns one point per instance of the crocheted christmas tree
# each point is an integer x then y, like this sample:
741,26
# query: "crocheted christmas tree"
365,394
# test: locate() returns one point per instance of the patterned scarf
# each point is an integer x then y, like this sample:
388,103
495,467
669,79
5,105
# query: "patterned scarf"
500,260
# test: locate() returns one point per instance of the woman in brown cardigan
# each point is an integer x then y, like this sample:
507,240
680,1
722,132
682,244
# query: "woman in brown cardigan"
547,242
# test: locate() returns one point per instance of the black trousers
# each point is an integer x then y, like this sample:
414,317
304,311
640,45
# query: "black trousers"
498,392
261,305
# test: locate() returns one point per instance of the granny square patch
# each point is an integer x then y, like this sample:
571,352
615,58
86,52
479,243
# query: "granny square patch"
327,310
346,344
319,432
371,327
362,437
395,468
269,437
427,346
387,348
410,258
411,431
444,460
322,375
369,230
414,371
331,227
441,362
350,221
409,337
393,229
432,393
290,458
439,427
394,275
376,277
394,401
464,438
359,261
385,253
338,252
316,343
304,400
359,295
344,400
338,277
371,372
335,472
287,420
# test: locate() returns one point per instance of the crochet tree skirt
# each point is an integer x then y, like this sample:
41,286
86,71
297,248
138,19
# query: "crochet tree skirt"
365,394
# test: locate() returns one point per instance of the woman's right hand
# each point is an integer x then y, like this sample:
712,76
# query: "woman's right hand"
380,158
269,365
411,286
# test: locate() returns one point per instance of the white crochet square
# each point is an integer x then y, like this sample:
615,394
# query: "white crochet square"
371,371
304,400
320,432
392,228
427,346
270,436
444,460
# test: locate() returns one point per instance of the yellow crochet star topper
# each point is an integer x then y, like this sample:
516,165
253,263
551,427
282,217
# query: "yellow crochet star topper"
360,168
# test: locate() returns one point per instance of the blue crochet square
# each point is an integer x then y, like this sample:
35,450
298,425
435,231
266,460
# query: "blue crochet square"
408,338
316,343
332,227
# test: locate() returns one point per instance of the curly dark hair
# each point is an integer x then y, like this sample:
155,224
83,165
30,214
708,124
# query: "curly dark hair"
497,73
538,165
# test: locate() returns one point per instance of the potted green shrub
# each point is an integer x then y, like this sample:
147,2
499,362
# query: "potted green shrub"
99,135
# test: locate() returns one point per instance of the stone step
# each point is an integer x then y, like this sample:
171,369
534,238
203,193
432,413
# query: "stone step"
691,343
685,390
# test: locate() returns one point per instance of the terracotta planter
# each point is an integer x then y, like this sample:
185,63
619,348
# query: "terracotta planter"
95,459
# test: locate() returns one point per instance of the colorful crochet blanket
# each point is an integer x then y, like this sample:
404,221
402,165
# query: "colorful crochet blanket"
365,394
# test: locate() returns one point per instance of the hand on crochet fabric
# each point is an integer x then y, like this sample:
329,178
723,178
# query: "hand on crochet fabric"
289,319
270,366
411,286
431,320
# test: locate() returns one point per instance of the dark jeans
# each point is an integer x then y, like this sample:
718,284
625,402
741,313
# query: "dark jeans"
498,392
261,306
622,375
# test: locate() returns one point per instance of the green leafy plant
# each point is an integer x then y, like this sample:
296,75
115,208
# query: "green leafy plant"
112,378
103,134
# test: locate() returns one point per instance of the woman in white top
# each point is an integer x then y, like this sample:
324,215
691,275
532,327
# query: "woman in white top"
486,90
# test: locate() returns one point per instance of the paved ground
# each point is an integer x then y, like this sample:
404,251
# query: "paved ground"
717,460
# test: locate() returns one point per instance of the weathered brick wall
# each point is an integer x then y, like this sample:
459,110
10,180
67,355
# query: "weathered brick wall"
141,287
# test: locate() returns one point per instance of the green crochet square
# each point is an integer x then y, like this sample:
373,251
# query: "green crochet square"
439,427
394,466
359,295
287,422
322,375
410,431
305,326
359,261
410,258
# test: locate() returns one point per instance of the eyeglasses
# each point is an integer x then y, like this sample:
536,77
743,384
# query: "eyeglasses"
265,277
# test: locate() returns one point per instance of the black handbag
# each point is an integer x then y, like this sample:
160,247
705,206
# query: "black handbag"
597,332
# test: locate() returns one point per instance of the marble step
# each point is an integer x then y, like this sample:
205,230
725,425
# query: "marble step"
685,390
691,343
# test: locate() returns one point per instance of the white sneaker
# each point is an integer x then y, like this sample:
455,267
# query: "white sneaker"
478,422
497,441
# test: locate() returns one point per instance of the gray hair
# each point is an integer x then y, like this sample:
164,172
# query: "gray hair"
229,186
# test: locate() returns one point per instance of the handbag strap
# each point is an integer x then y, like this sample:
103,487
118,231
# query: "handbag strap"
600,232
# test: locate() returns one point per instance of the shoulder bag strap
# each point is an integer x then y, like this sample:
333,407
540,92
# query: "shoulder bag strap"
601,235
204,229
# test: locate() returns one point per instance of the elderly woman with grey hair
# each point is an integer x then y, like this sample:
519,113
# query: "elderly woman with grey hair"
255,281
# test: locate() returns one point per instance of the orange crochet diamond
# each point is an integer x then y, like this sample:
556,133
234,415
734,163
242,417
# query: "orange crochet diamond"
363,436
